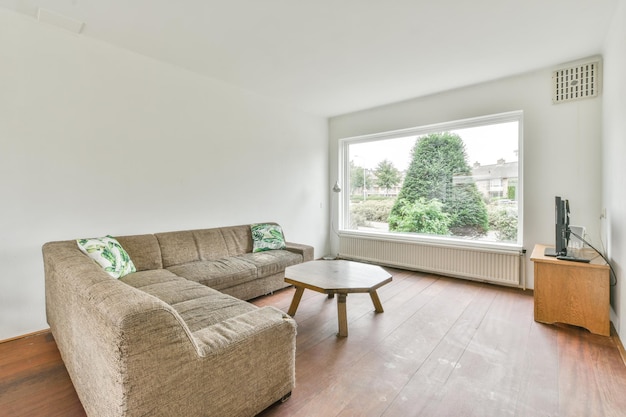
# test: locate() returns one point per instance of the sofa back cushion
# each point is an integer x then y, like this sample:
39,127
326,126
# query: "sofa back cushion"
204,244
143,250
238,239
178,247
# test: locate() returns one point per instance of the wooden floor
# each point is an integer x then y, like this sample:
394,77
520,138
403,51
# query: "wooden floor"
443,347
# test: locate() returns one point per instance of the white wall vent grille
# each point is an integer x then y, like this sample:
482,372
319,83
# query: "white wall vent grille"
576,82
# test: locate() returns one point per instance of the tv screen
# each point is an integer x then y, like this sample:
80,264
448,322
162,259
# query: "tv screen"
561,228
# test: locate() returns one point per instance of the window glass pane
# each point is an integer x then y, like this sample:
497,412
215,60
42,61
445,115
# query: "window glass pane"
459,181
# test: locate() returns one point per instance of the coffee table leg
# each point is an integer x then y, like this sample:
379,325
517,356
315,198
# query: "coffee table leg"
378,307
342,314
296,301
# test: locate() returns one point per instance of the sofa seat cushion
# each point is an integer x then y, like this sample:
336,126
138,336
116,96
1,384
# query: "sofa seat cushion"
218,274
272,262
213,308
167,287
142,279
198,305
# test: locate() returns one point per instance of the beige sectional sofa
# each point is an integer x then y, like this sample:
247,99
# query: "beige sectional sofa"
174,338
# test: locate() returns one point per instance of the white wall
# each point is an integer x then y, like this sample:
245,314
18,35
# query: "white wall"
614,152
97,140
561,150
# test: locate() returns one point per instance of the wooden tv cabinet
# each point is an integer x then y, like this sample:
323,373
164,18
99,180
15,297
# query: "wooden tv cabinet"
572,292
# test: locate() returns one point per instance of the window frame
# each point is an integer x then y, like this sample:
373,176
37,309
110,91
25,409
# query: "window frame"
343,202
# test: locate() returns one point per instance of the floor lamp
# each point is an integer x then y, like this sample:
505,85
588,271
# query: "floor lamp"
336,190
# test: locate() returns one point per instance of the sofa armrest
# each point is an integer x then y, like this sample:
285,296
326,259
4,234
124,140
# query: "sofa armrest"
305,250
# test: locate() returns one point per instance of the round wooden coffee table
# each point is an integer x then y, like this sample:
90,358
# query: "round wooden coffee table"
337,277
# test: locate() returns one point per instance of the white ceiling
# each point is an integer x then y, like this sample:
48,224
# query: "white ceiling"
330,57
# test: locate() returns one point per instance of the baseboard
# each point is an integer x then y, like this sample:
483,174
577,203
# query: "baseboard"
618,344
24,336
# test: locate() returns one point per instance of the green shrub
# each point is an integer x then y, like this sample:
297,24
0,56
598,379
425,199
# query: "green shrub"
503,220
467,211
357,219
371,210
420,217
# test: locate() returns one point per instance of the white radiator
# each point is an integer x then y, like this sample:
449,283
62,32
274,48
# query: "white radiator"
499,267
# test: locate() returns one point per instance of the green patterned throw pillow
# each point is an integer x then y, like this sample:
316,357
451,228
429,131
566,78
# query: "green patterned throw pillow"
109,254
267,237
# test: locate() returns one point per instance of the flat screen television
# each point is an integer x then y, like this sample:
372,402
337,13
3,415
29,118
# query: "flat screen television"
561,228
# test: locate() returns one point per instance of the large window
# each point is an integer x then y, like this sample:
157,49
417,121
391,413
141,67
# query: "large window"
458,181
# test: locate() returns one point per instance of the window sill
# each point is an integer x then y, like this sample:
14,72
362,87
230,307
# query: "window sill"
440,241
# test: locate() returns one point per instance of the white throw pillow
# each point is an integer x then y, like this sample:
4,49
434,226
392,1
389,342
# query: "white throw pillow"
109,254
